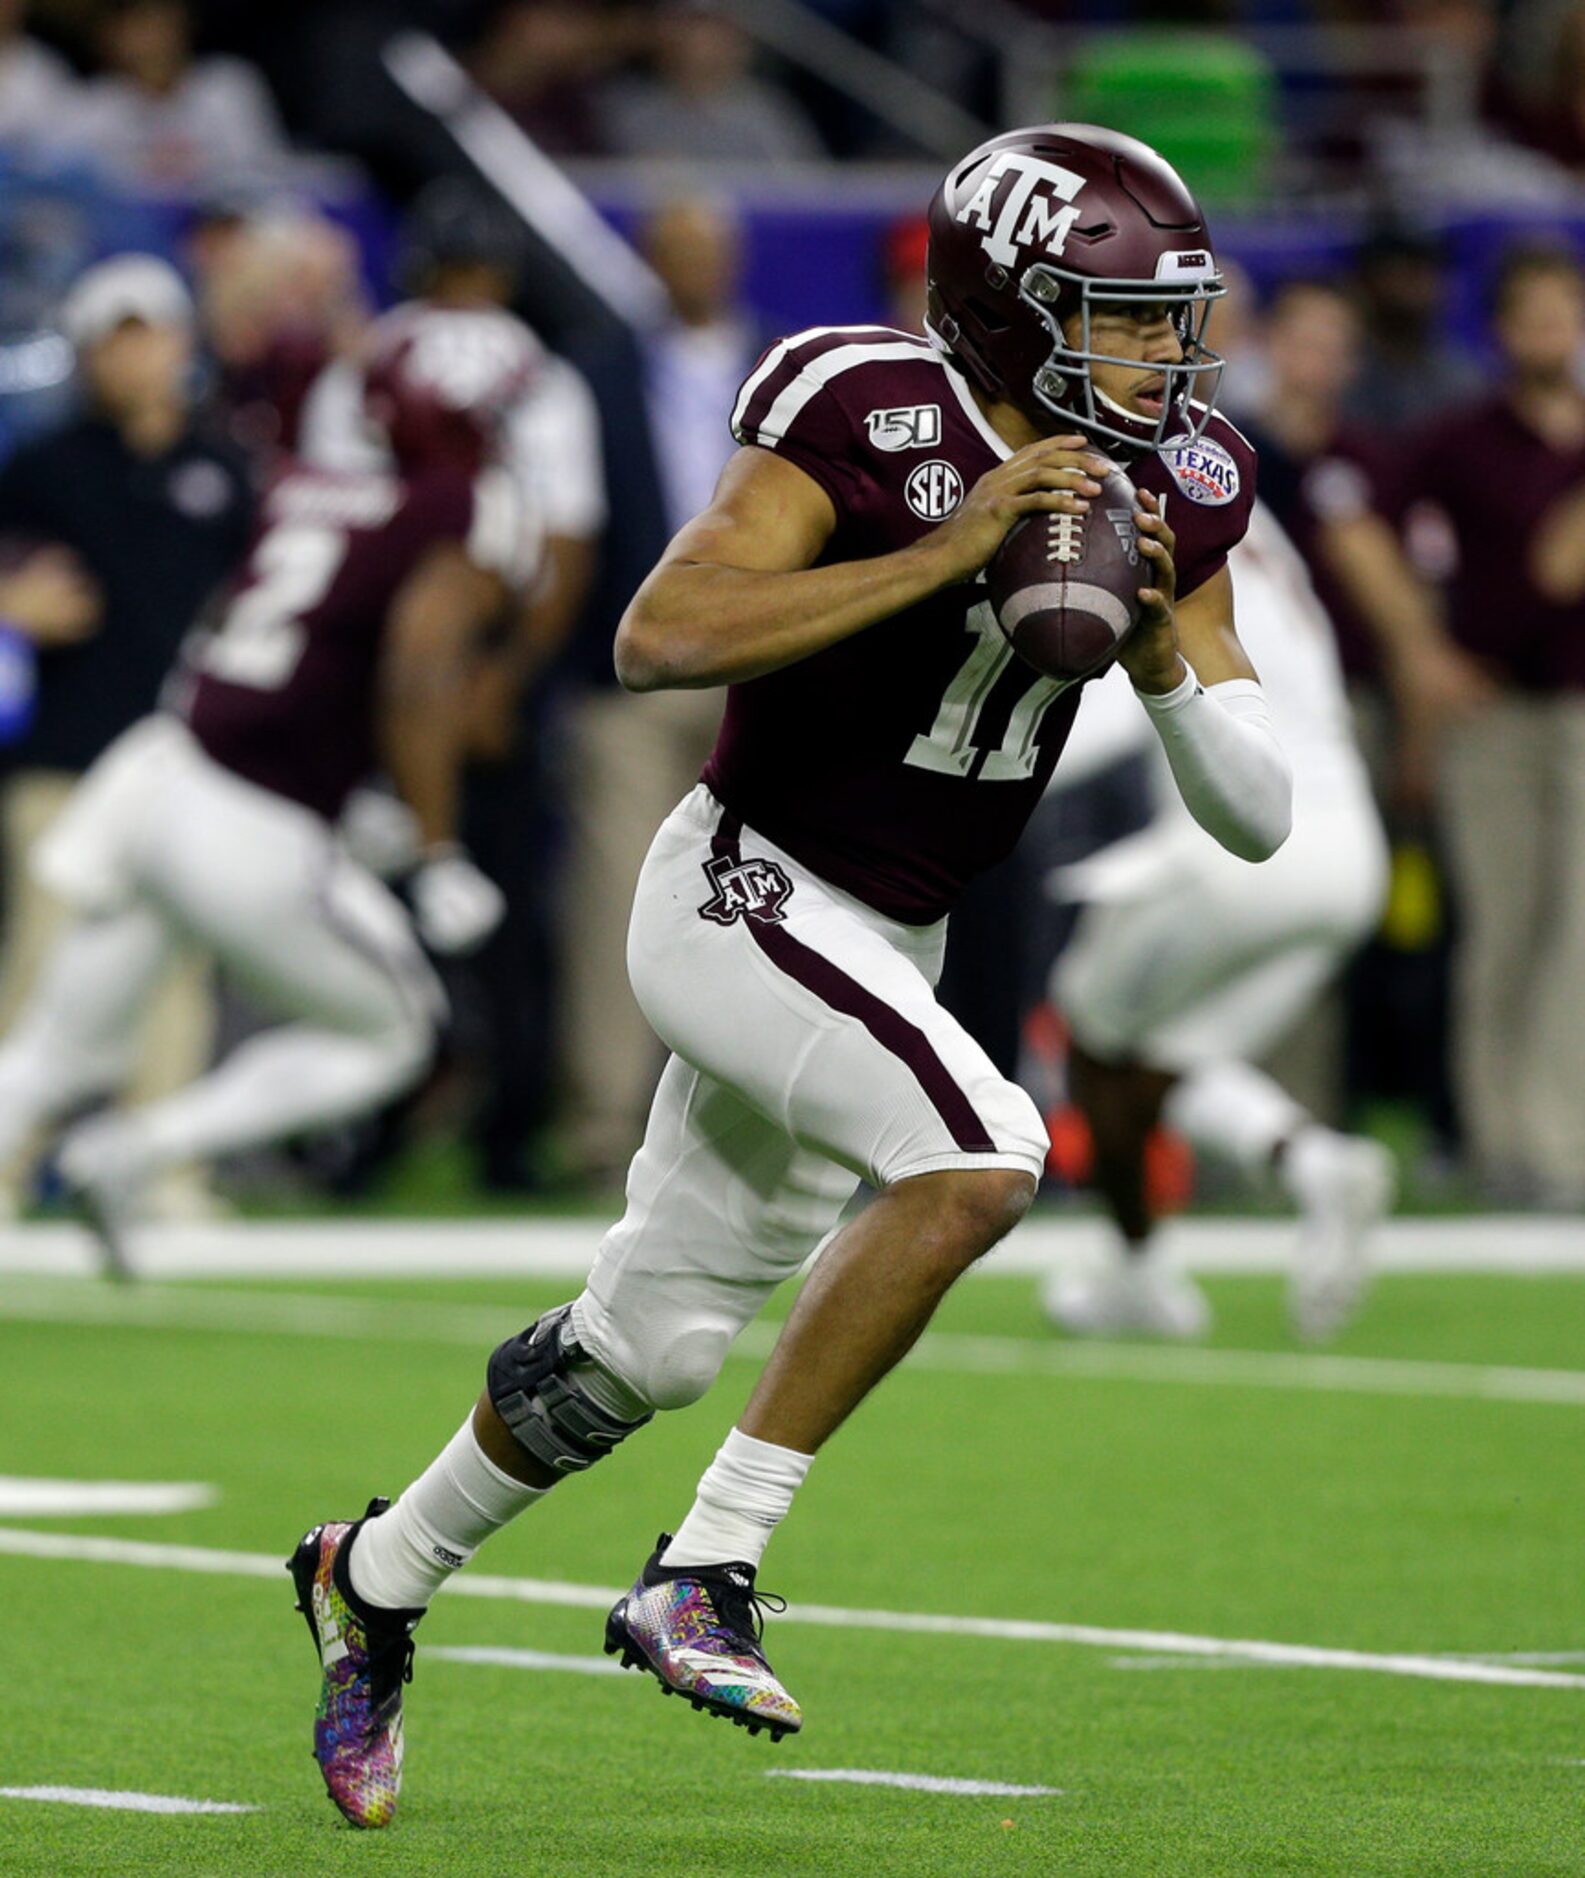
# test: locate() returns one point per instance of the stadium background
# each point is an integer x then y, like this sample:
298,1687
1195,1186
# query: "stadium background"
1418,1502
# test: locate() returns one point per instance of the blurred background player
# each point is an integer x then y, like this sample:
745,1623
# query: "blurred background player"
152,509
462,249
340,646
1187,965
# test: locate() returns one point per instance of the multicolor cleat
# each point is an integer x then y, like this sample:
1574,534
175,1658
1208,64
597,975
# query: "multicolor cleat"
696,1629
366,1656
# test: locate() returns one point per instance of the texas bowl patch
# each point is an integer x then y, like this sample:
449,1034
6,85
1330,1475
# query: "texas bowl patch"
1203,470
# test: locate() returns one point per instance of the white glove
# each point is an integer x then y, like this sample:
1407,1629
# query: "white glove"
455,907
381,831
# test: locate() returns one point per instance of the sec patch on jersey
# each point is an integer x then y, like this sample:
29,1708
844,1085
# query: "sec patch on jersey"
1066,587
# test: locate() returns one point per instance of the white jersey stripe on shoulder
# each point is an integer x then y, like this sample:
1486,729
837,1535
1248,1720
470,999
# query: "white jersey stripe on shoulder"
781,354
772,359
819,373
837,332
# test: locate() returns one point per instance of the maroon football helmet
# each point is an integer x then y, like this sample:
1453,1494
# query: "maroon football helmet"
438,381
1040,225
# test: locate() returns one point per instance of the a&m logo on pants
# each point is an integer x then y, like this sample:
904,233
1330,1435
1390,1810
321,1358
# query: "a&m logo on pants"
752,889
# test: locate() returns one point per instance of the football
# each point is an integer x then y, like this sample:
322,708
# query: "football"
1066,587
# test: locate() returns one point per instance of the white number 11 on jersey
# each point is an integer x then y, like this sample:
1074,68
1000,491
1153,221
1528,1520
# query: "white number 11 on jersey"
948,747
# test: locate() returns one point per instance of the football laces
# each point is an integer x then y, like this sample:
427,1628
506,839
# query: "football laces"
1064,538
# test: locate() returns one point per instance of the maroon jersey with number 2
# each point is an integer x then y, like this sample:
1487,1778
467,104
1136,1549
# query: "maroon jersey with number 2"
901,762
282,683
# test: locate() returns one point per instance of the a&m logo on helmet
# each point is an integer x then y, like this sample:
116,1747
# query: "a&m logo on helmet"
1037,207
1202,469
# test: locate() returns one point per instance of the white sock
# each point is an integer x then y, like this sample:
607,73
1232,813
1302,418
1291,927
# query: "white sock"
745,1493
400,1560
1310,1161
1235,1111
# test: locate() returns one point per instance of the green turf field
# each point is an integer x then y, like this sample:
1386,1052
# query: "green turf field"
1424,1502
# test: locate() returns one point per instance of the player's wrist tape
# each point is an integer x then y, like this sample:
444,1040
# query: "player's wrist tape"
1227,762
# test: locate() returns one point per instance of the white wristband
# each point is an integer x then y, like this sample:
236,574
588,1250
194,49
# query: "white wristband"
1227,762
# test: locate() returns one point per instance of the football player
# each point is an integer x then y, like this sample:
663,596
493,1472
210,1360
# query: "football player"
1186,965
340,647
881,744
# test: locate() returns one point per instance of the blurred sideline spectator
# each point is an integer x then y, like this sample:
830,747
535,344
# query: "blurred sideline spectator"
543,60
1512,773
1237,334
160,119
903,255
701,100
1320,474
157,513
1546,57
279,297
37,87
1408,370
634,757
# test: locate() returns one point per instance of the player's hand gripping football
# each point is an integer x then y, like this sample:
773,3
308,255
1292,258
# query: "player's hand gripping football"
1057,474
1150,654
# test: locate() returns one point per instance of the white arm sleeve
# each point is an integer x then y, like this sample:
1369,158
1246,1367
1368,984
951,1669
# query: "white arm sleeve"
1227,762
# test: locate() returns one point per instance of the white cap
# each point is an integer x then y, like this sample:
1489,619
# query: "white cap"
126,287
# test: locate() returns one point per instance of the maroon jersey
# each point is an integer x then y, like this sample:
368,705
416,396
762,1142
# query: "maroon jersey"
281,686
903,761
1492,479
1341,481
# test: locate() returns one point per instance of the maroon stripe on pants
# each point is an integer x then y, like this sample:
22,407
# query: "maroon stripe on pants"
890,1029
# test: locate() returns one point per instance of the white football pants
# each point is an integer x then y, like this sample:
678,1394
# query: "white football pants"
1188,955
808,1050
160,845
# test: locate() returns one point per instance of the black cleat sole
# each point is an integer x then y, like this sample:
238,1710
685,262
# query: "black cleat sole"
620,1644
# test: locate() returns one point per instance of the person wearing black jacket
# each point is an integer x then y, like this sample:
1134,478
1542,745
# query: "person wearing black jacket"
153,514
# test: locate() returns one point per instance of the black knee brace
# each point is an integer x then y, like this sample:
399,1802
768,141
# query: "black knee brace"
535,1391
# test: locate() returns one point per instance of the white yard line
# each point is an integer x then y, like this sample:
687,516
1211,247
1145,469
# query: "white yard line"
915,1783
24,1497
562,1248
395,1320
122,1802
25,1543
503,1658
